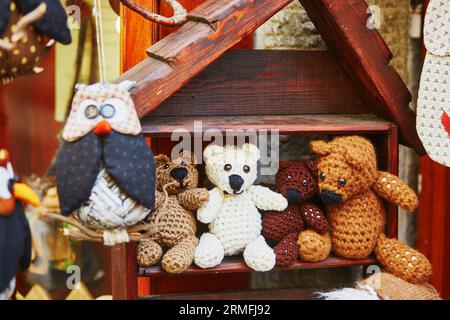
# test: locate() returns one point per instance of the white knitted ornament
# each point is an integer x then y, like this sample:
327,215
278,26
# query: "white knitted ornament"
433,106
232,211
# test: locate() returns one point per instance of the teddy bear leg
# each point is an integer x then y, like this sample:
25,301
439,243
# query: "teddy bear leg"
259,256
209,252
180,257
286,251
148,253
402,260
313,246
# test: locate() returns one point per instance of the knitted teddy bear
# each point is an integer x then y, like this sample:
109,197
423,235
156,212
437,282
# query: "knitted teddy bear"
176,224
232,209
353,188
301,229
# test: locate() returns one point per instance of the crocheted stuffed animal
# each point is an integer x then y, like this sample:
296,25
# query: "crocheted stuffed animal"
176,222
232,214
301,229
352,187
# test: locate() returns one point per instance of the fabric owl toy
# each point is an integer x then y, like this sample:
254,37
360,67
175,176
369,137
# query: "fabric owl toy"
23,25
15,235
105,170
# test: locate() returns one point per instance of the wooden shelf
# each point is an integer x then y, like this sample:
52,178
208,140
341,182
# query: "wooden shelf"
237,264
286,124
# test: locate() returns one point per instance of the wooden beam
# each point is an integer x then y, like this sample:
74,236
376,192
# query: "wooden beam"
181,55
366,57
260,82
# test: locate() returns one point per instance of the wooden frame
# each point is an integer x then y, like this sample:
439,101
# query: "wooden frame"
357,73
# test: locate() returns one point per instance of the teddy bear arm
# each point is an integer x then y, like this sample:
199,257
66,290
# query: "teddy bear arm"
193,199
266,199
314,218
159,199
208,212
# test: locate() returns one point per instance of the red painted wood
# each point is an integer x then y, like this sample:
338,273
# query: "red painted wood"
27,125
267,82
123,271
366,57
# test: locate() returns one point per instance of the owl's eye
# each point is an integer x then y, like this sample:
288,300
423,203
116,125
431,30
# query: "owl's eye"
166,166
322,176
107,111
91,111
342,182
305,182
227,167
246,169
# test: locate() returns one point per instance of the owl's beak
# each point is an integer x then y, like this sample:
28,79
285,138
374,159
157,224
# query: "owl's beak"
103,128
24,193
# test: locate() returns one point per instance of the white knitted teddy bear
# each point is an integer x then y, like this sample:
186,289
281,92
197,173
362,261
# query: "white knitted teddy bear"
231,212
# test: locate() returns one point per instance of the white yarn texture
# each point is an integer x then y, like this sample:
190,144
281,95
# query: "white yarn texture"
433,104
234,220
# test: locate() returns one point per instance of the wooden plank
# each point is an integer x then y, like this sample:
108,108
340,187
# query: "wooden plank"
123,271
287,124
187,51
364,54
266,294
237,264
267,82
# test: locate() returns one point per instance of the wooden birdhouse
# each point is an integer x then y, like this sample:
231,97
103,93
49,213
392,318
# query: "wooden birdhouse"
191,75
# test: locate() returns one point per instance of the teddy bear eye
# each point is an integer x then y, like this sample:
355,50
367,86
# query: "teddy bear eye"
246,169
322,176
342,182
288,178
166,166
227,167
183,163
305,182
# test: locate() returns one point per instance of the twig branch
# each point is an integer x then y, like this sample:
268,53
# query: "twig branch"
5,45
180,15
27,20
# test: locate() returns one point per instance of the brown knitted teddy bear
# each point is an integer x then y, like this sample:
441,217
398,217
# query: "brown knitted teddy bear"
173,215
352,187
301,229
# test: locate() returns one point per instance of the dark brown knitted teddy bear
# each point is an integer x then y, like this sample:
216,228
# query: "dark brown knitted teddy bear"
301,229
174,215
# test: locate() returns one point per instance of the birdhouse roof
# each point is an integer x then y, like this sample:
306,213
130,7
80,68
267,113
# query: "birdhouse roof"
363,54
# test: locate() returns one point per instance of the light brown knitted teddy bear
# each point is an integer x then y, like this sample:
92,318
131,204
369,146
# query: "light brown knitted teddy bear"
174,216
352,188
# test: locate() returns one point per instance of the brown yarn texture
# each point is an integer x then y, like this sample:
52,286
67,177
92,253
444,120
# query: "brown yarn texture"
390,287
284,228
176,222
358,220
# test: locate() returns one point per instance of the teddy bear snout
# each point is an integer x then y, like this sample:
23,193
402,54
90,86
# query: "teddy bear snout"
293,195
236,182
330,197
179,173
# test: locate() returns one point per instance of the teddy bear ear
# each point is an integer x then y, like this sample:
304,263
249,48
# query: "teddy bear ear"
252,151
320,147
189,157
312,166
211,151
161,159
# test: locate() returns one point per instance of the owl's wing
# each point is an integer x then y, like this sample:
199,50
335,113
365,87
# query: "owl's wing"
4,15
77,167
129,160
54,22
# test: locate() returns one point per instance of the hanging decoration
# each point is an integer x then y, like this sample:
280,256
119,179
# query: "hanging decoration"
15,239
433,106
104,170
24,25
